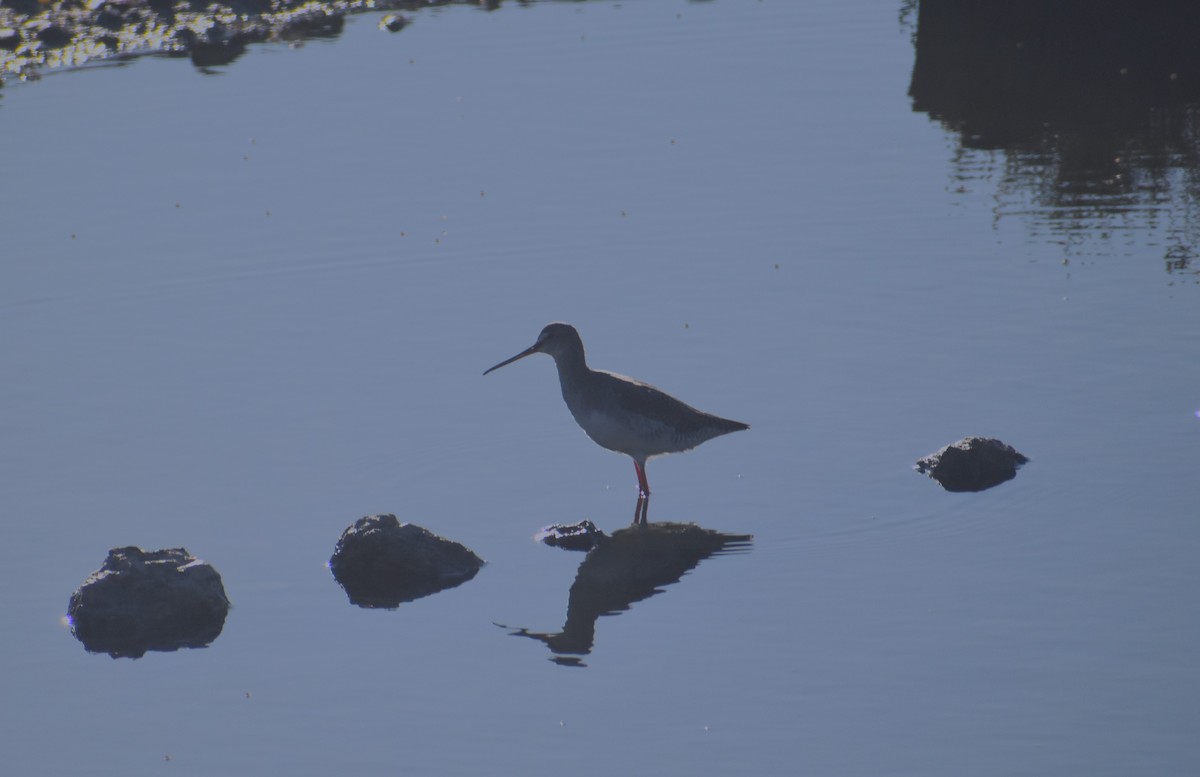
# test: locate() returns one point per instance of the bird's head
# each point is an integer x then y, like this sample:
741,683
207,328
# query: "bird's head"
556,339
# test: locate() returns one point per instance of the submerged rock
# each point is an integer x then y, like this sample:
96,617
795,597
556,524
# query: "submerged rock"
972,464
148,600
383,563
573,536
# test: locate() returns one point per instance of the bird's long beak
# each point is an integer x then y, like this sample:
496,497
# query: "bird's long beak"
527,352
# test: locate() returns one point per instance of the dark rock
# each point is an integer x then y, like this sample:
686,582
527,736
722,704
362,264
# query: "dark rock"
219,44
320,24
185,37
252,7
9,39
164,9
216,53
575,536
383,563
393,22
22,7
54,37
109,19
148,600
972,464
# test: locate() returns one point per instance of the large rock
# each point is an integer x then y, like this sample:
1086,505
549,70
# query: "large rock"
383,563
972,464
148,600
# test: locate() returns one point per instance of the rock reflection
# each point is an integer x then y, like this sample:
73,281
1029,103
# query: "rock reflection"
1095,104
626,567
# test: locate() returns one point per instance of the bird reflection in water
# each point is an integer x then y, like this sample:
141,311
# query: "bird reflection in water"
630,565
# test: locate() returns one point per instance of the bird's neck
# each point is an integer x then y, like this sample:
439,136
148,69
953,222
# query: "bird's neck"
572,370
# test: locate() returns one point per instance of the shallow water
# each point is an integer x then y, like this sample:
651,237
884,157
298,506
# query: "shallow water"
244,308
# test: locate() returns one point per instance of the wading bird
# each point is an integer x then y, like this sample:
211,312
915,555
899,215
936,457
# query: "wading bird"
620,413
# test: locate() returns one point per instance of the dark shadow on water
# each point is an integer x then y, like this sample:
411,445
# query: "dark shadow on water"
626,567
1095,105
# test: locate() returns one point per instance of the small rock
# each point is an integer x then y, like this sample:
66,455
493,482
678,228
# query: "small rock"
9,39
54,36
972,464
109,18
148,600
574,536
216,53
383,563
393,23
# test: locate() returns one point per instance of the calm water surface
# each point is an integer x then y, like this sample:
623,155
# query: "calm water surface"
243,308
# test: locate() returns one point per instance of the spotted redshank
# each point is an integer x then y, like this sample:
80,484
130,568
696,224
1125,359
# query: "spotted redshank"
620,413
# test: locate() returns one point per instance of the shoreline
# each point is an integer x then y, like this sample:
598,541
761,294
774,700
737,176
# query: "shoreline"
37,38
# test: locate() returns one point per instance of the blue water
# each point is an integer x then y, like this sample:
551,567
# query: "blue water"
243,309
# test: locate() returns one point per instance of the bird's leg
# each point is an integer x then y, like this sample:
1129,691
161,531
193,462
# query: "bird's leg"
643,486
643,502
640,510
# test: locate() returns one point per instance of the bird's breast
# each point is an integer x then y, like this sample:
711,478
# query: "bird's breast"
623,433
621,414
